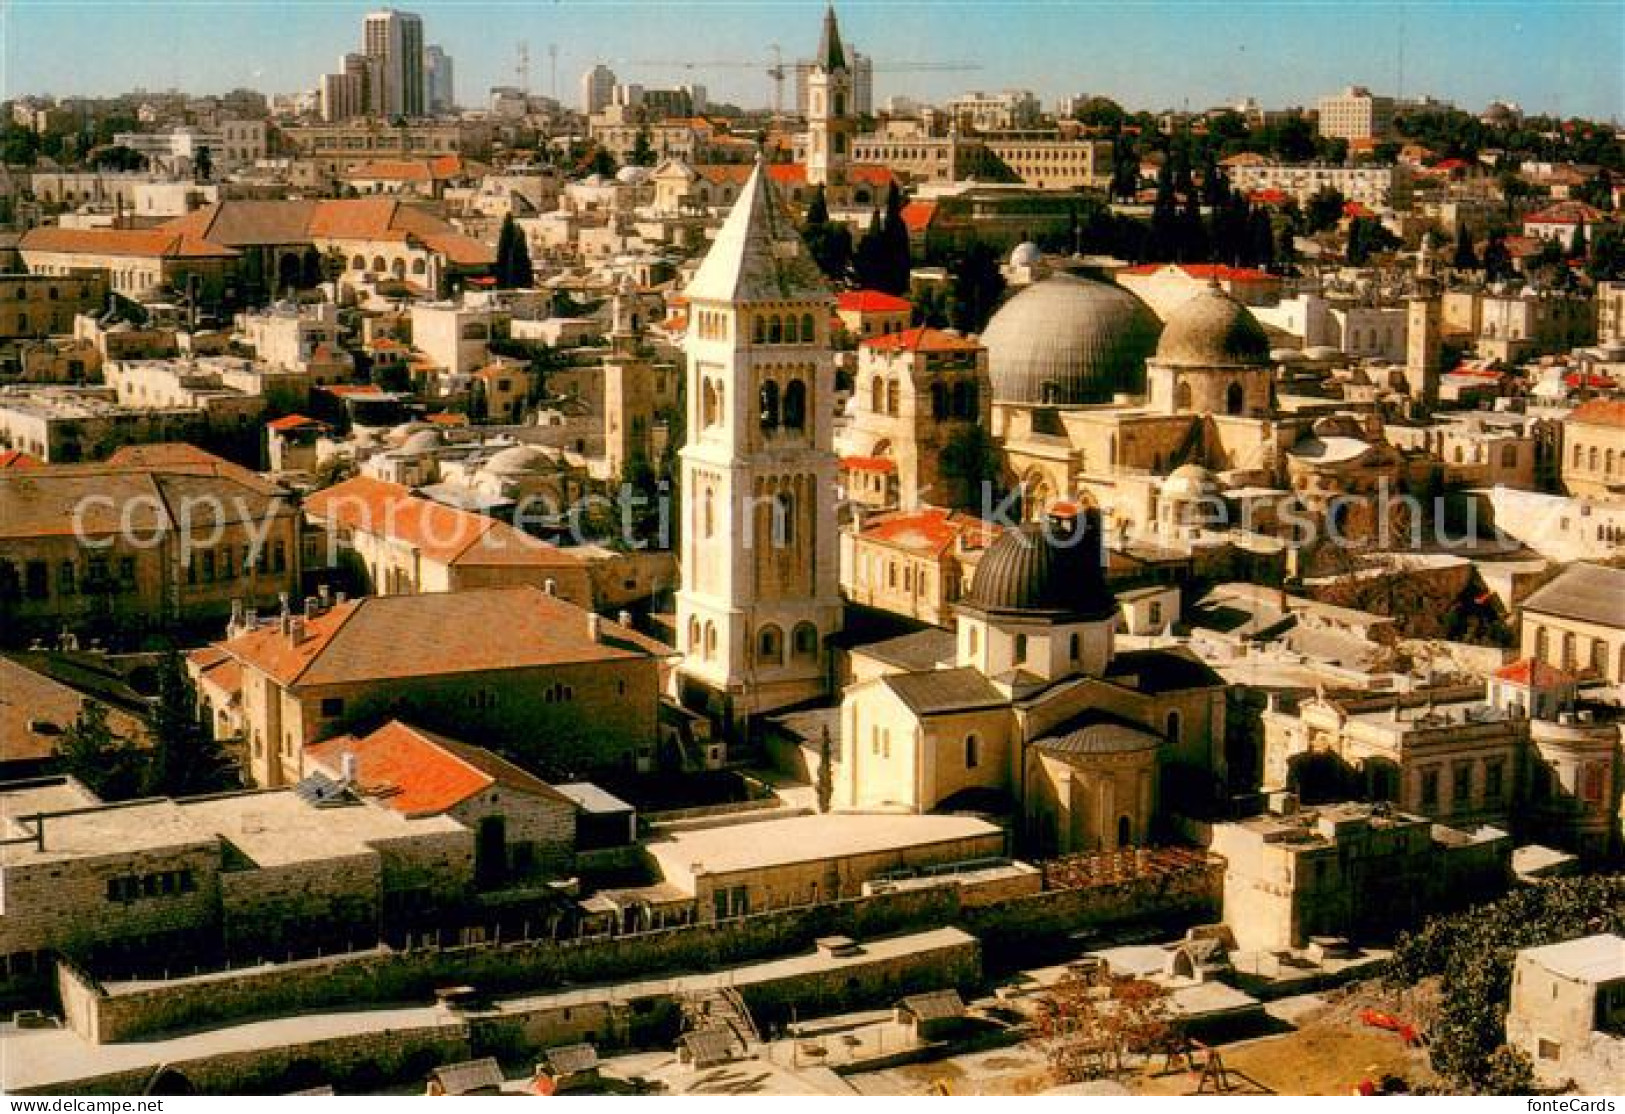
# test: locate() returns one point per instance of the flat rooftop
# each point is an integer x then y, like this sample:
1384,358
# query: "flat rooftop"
804,839
276,828
1599,958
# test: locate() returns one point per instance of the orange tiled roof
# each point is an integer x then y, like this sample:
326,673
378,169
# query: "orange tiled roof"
869,464
437,169
16,458
1533,674
922,339
1566,212
1600,411
931,531
383,638
917,215
153,243
295,421
420,773
438,532
872,301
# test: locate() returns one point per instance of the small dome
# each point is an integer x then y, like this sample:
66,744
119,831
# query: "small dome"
1043,568
1026,254
1068,340
398,435
1322,352
1213,330
632,175
421,443
516,460
1189,481
1286,355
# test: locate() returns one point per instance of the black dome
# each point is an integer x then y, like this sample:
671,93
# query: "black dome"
1049,568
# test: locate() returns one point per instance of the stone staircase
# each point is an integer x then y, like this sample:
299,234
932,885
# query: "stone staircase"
721,1008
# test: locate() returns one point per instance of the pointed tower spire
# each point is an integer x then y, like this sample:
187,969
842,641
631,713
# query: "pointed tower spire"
831,55
758,254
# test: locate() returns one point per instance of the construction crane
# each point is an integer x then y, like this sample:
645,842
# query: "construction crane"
777,71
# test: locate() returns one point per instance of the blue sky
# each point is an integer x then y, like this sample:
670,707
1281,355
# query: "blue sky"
1562,57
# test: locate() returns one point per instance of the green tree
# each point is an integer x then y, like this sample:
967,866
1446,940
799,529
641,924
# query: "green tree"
826,771
828,242
868,259
119,158
19,146
1100,112
1324,210
513,267
1605,257
896,251
978,286
110,767
186,760
1164,239
643,152
1497,259
1465,259
203,164
602,163
1125,169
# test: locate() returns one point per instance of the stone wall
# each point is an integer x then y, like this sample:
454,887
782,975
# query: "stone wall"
385,975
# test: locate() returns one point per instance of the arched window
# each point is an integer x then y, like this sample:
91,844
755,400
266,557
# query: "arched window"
784,519
359,263
795,405
419,266
758,330
809,330
973,751
710,640
1182,396
791,334
1542,645
770,645
1235,399
775,329
1459,455
1074,647
973,640
877,395
1021,648
710,513
378,264
769,408
939,401
1175,728
804,642
1591,458
893,397
1125,831
711,406
1577,455
1608,466
1570,656
693,635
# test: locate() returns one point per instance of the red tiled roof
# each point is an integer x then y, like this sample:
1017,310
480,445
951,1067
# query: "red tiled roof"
869,464
917,215
1600,411
438,169
295,421
438,532
1356,209
164,453
419,773
1206,271
930,530
1533,674
153,243
872,301
16,458
1576,379
436,634
447,418
1566,212
922,339
1269,197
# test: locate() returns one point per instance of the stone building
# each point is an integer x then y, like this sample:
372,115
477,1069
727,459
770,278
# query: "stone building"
41,305
916,563
141,546
1594,450
407,544
137,262
919,394
1034,714
524,672
1567,1012
760,592
1347,870
1576,623
524,829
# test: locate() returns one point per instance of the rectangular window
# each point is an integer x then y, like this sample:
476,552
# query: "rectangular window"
332,706
37,580
208,567
1461,782
279,557
1430,788
1494,772
126,571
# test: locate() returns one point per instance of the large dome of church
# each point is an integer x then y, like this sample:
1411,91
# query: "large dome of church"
1042,568
1069,340
1212,329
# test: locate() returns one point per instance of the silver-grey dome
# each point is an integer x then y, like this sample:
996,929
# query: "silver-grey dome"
1069,340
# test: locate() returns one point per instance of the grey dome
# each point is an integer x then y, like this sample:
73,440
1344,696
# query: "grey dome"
1026,254
1069,340
516,460
1044,569
421,443
1212,329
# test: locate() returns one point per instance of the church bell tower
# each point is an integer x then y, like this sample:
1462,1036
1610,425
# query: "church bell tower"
760,594
830,123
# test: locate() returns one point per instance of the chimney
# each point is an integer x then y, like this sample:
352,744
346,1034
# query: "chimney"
595,627
550,586
350,768
325,594
282,601
296,629
285,622
312,607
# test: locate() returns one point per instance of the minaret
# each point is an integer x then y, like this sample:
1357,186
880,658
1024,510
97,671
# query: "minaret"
760,593
628,395
830,126
1423,331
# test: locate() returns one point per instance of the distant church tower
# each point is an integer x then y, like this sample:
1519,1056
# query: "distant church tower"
1424,331
760,593
628,392
830,123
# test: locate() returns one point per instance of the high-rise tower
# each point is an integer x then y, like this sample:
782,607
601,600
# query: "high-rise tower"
760,594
